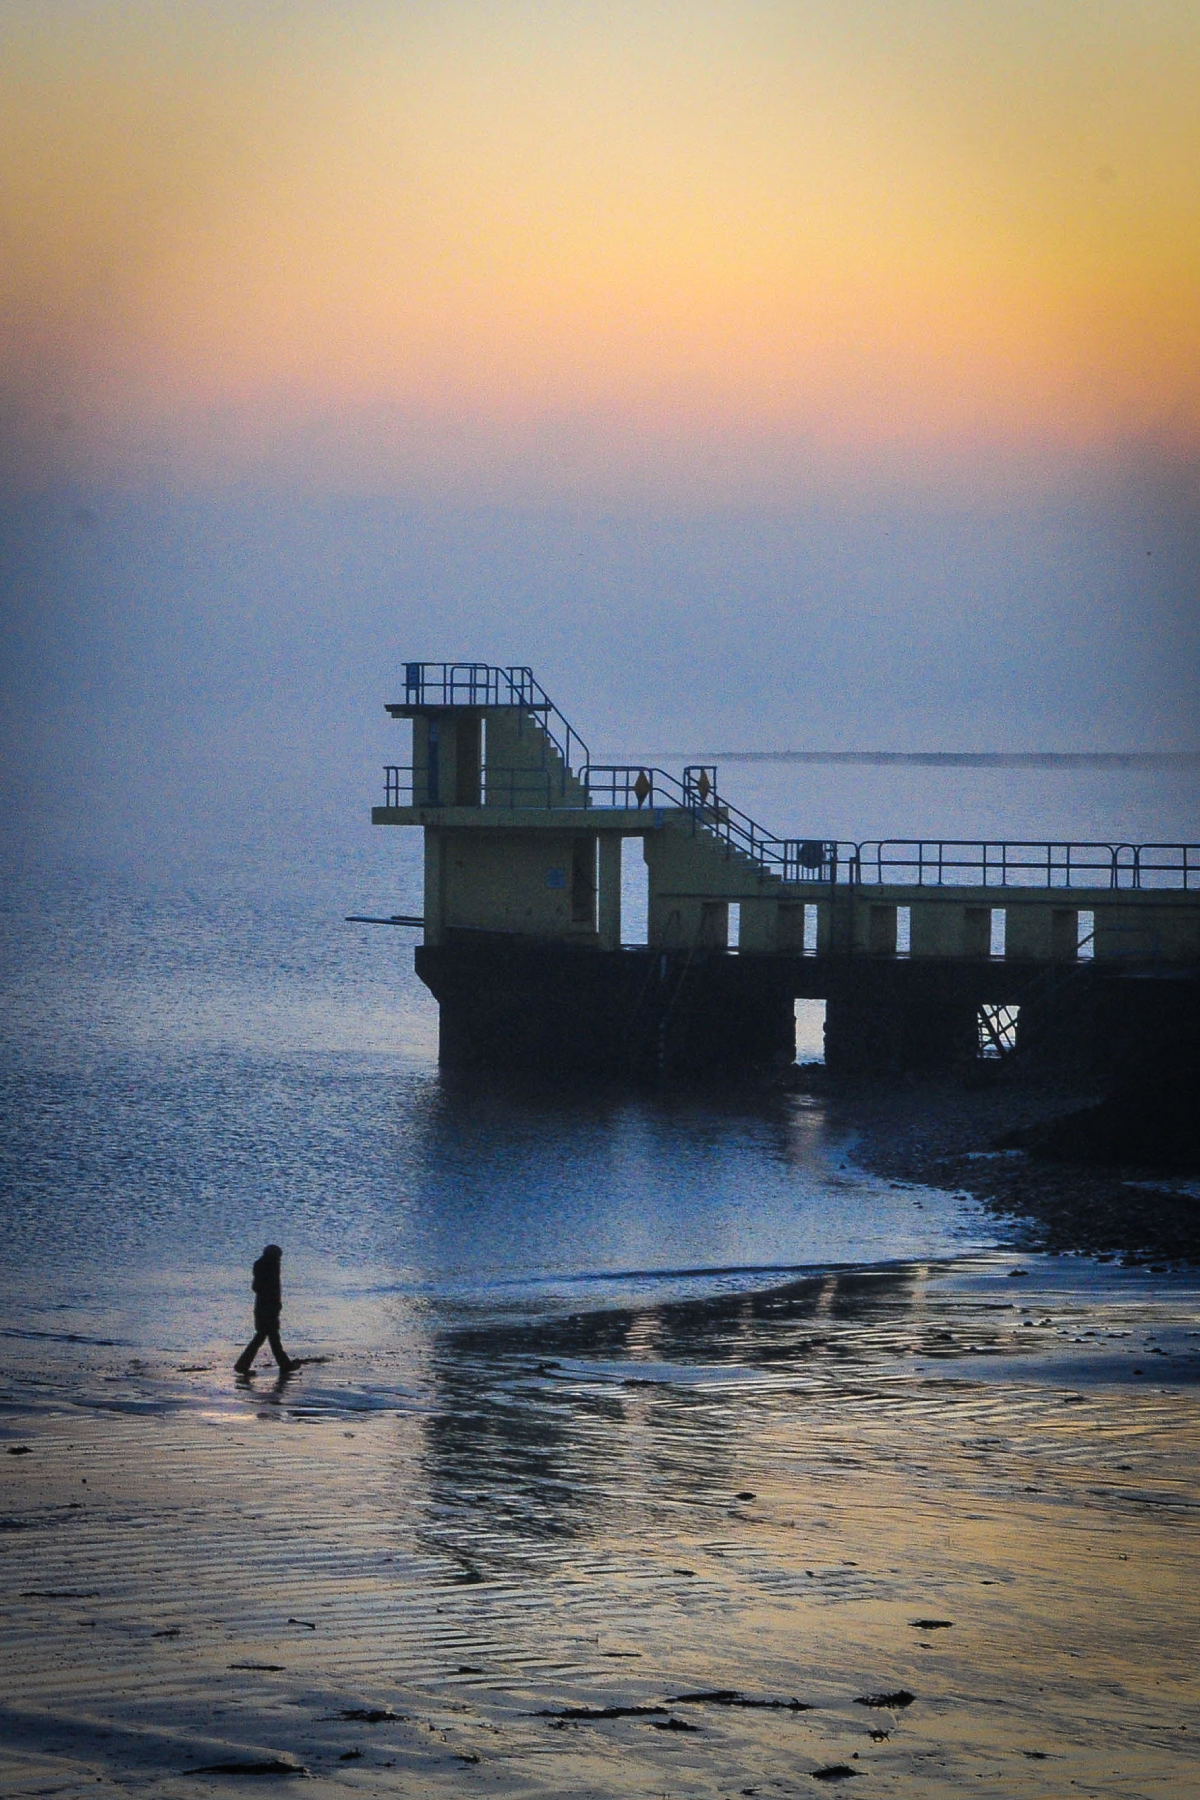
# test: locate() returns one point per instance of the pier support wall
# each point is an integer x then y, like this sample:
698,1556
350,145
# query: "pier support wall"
503,1003
510,1002
881,1037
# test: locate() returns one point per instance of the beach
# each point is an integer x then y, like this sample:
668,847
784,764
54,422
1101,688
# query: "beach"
924,1530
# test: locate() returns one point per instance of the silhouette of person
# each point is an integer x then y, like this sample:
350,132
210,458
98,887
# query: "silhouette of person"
268,1308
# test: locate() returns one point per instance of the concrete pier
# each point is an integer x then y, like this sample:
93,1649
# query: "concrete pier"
927,953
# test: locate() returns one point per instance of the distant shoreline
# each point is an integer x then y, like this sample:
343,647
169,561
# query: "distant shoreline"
954,759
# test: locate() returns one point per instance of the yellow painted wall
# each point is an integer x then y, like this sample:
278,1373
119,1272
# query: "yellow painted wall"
522,767
936,928
508,882
1142,932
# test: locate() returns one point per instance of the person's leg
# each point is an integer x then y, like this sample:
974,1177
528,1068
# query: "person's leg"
242,1365
277,1350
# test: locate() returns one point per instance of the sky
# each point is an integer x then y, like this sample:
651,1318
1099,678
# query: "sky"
787,373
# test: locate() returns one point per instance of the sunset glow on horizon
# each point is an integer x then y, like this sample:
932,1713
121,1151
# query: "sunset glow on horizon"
404,244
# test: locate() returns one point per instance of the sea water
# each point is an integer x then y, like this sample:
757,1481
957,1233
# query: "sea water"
201,1055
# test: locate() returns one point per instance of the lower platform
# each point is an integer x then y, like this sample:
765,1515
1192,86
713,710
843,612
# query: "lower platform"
513,1002
507,1002
510,1002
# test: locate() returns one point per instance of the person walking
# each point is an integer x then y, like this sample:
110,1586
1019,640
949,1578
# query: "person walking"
268,1309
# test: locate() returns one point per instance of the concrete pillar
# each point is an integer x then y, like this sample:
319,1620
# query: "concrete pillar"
836,925
714,925
435,888
423,770
1064,934
467,766
760,925
445,759
1041,933
876,929
673,920
977,931
608,873
935,929
789,929
1027,933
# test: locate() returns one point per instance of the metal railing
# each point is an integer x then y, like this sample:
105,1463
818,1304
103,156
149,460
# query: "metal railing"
630,787
642,787
635,787
1156,866
945,862
887,862
485,684
788,859
503,787
397,784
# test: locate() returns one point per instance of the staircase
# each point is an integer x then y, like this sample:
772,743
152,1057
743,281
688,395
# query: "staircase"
526,765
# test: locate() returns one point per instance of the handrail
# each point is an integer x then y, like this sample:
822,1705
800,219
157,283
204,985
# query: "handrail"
504,787
633,785
943,862
1016,862
486,684
791,859
1055,866
1183,860
397,784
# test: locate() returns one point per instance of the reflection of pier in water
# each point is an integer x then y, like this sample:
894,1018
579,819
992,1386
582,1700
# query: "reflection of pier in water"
544,1428
927,953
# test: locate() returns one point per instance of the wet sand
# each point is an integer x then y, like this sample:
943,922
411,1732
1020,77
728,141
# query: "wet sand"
921,1531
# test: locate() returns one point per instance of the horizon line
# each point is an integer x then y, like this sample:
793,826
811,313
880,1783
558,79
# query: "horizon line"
1147,759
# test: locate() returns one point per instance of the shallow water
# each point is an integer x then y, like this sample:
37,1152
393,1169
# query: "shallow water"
190,1072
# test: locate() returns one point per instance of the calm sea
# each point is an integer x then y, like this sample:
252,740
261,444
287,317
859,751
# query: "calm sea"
200,1057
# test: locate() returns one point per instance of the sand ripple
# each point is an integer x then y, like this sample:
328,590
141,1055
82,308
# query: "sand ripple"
534,1574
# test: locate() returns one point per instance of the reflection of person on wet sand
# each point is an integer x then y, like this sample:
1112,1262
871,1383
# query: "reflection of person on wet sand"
268,1308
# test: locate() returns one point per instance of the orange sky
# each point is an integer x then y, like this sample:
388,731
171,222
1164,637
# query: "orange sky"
523,242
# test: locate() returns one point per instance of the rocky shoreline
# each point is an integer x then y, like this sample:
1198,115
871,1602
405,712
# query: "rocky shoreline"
1033,1153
